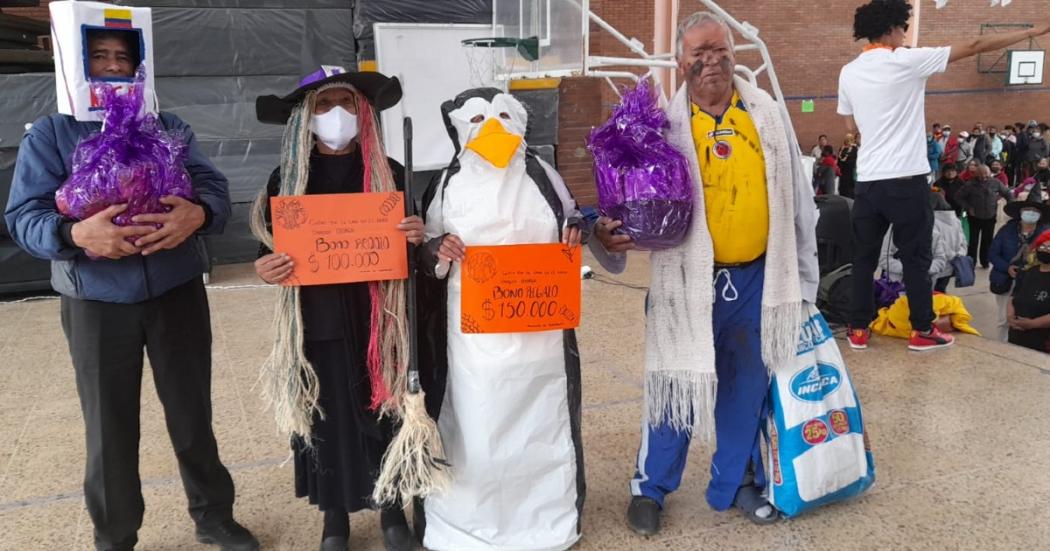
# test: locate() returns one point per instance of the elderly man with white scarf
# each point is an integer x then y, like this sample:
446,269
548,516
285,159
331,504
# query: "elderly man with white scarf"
724,306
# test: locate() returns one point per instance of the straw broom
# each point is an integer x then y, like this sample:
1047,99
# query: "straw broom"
414,464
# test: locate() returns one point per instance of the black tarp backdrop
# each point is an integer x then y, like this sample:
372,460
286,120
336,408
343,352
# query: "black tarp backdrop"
25,98
18,271
213,58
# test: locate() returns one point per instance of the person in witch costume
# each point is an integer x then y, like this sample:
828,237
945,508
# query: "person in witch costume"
337,369
1010,251
510,411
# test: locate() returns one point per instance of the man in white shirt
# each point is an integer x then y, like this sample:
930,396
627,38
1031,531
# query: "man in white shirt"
882,93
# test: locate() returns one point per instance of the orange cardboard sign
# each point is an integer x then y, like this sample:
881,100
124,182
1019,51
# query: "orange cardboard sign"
341,238
520,288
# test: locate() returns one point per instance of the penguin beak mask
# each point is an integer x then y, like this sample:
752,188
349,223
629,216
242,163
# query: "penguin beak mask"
488,122
495,144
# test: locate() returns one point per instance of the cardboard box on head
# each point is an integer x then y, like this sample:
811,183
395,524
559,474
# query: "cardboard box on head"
73,27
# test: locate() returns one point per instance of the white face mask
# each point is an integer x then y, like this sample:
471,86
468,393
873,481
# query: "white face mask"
336,128
1030,216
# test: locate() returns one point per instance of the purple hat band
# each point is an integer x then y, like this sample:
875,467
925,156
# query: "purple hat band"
324,72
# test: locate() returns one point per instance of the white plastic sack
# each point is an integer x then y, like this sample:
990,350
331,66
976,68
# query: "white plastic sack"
71,22
818,451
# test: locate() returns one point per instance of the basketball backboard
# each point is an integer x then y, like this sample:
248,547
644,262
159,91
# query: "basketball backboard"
433,66
559,25
1026,67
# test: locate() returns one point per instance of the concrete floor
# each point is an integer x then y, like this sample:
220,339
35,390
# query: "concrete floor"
961,439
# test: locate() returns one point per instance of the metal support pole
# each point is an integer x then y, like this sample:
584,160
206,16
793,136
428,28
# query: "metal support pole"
663,38
603,61
913,25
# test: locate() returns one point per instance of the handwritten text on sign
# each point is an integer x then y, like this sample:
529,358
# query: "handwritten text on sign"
521,288
341,238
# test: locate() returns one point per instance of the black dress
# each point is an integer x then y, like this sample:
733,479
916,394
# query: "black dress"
848,167
339,471
1032,300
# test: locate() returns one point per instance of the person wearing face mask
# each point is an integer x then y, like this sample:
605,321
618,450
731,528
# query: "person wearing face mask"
950,144
933,154
1009,155
510,414
950,183
1037,148
1028,312
980,198
725,305
982,145
1010,250
332,144
996,166
965,155
996,143
883,93
1022,133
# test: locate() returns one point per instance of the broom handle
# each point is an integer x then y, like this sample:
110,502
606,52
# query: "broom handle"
410,308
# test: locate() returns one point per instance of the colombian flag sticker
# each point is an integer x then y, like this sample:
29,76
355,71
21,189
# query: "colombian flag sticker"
118,19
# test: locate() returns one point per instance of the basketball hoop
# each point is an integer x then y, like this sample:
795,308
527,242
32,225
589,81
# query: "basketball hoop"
528,48
483,56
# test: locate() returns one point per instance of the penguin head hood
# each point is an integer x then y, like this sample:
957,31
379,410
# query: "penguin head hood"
488,122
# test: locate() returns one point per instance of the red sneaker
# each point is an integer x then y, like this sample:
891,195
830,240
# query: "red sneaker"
929,340
858,338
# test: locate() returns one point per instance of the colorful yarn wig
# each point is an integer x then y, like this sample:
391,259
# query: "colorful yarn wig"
291,385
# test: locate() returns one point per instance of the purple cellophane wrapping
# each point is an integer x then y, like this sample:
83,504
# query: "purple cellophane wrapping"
132,160
642,180
887,291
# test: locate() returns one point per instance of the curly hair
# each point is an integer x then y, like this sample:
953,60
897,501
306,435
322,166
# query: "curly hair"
878,17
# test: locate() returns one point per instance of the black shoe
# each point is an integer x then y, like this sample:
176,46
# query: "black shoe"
643,515
228,535
335,543
398,538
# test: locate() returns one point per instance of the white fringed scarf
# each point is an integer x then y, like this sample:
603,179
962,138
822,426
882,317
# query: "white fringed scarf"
680,381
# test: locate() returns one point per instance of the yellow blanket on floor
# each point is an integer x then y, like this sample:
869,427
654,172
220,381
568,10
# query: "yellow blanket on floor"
894,322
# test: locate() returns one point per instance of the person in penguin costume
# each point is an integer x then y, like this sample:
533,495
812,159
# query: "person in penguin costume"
509,415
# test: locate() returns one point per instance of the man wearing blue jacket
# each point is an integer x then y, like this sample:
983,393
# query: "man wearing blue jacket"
144,293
